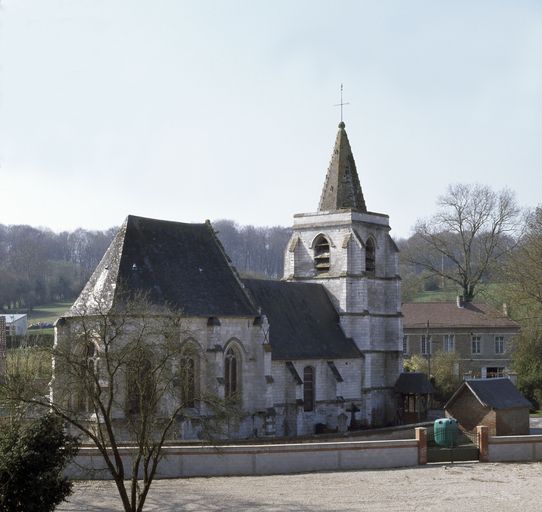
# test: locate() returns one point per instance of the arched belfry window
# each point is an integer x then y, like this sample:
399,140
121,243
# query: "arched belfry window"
321,254
232,373
370,257
308,388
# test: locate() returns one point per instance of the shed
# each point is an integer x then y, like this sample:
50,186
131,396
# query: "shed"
413,390
495,403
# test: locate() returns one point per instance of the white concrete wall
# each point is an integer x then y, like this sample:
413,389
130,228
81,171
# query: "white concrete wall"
515,448
182,461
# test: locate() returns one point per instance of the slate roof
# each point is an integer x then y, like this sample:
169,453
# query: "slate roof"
342,188
303,322
498,393
413,383
180,265
447,314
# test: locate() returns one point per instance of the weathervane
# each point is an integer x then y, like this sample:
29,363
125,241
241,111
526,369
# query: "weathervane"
341,103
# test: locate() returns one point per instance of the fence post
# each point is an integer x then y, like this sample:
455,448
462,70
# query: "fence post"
421,437
482,433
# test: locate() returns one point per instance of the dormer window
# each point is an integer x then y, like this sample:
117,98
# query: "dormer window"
370,258
321,254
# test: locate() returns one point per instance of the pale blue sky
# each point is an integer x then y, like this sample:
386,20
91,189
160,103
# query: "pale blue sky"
188,110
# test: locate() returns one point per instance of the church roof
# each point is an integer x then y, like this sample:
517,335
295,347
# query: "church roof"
342,188
176,264
303,324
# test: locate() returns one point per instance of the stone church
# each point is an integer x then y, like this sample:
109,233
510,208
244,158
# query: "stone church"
319,350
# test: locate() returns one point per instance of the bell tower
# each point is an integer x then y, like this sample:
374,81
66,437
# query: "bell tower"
349,251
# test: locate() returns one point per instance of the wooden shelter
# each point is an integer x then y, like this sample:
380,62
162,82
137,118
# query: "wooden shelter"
414,391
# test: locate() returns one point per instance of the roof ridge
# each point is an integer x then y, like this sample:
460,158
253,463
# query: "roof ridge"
234,271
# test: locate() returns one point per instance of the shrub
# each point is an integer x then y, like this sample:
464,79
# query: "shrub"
32,460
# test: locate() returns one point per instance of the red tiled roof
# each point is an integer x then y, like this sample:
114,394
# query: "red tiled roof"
447,314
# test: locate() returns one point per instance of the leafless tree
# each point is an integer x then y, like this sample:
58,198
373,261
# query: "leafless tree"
123,379
474,227
522,274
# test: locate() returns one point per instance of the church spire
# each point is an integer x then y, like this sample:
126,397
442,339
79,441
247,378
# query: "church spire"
342,189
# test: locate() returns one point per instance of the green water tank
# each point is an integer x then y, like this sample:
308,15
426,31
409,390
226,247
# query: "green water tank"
446,432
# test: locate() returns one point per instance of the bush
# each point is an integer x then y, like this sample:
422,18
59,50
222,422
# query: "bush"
32,460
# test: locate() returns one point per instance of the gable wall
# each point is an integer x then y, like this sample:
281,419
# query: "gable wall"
469,412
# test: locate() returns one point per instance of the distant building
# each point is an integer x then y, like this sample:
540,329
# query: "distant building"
15,325
495,403
479,334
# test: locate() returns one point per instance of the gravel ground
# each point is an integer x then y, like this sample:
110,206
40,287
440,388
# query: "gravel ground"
441,487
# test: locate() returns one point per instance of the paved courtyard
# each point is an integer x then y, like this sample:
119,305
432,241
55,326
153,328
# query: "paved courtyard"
457,487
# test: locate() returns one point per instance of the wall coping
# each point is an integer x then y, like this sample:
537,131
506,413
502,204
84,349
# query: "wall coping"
515,439
89,451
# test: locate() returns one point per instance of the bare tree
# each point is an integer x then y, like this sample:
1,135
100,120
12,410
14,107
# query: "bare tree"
523,270
473,229
522,274
123,377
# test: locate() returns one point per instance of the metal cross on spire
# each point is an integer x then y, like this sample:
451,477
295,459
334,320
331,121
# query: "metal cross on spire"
341,103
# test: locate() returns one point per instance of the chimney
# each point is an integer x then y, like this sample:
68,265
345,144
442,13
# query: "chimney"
505,309
459,301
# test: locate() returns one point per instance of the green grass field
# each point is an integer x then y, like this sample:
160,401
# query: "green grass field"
48,312
489,293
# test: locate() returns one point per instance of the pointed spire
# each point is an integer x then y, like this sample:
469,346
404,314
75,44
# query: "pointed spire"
342,189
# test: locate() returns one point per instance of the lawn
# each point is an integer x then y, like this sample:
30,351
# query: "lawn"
48,312
487,292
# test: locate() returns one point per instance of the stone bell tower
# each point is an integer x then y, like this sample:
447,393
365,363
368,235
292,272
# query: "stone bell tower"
348,250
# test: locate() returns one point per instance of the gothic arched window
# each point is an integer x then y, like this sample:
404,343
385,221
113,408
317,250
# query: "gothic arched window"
321,254
308,388
370,256
188,380
86,379
232,373
141,385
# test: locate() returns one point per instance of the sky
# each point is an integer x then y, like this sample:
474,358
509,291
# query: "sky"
195,110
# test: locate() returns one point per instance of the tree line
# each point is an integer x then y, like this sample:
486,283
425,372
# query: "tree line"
38,266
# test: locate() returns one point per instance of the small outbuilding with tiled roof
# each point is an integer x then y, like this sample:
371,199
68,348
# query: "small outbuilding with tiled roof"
495,403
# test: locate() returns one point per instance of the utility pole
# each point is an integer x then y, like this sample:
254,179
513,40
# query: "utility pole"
428,349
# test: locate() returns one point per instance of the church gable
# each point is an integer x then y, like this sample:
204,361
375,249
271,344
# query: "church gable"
176,264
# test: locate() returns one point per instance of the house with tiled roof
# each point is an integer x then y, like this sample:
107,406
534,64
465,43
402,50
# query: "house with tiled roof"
479,334
319,349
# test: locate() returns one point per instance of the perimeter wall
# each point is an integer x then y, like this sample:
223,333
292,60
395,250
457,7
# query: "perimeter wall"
188,461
